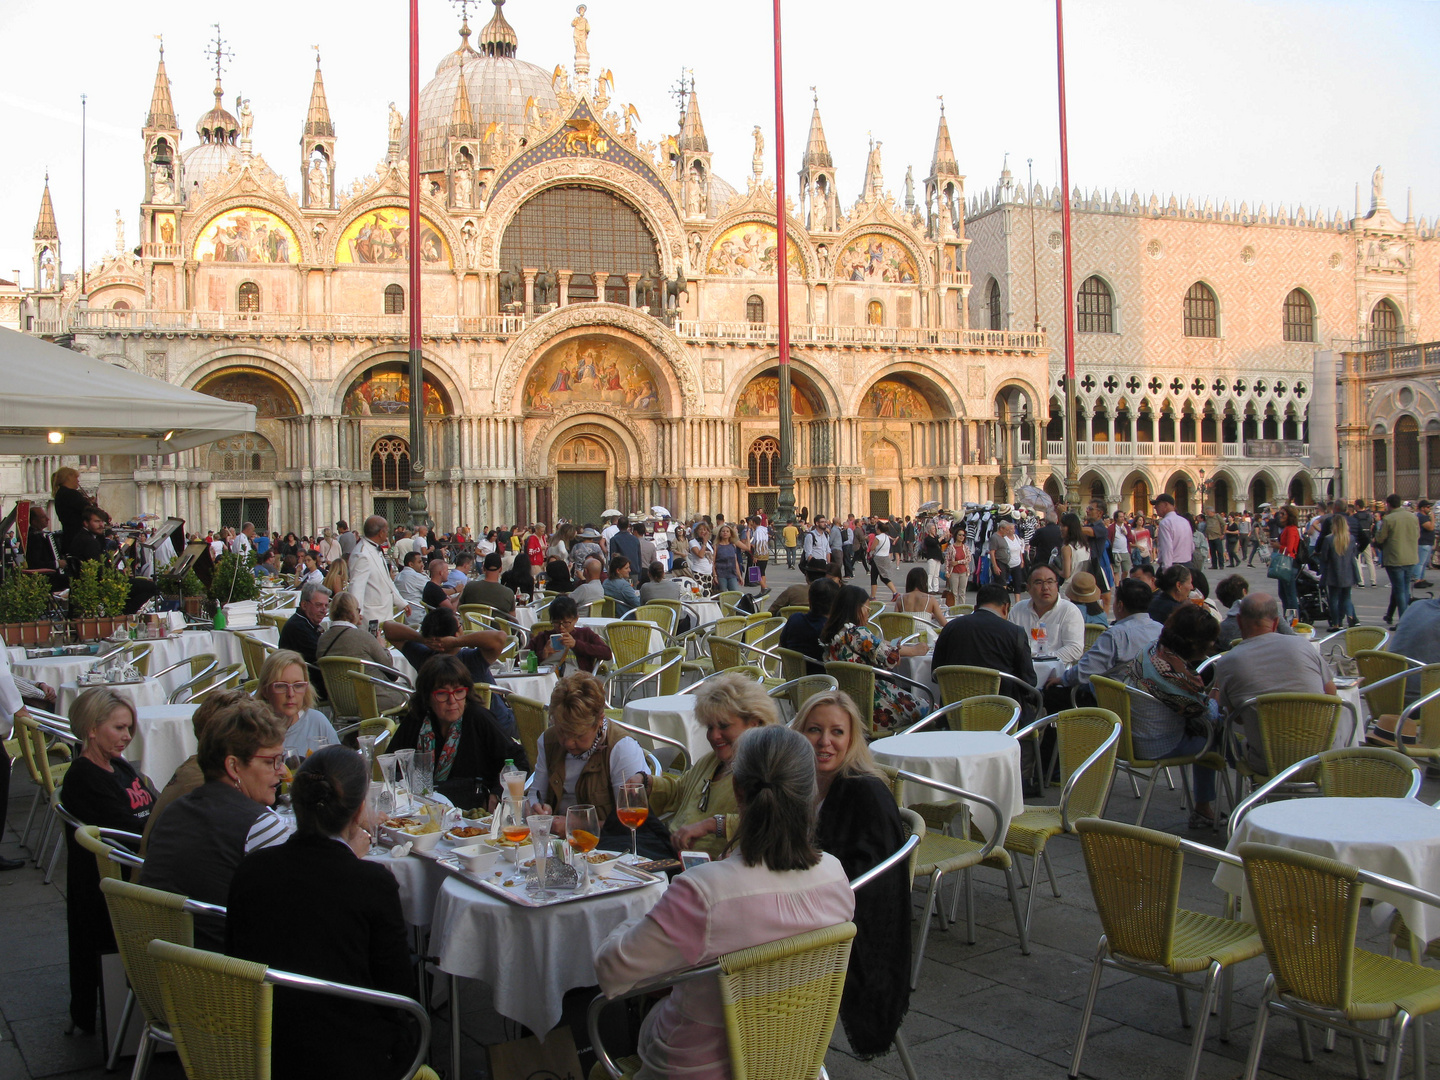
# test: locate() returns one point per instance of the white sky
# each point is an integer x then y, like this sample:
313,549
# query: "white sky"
1273,101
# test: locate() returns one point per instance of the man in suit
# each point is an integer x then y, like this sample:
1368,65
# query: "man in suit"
370,582
626,543
987,638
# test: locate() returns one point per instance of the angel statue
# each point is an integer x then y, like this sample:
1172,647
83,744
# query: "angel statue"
757,160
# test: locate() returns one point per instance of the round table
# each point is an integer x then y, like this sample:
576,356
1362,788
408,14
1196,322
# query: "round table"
164,738
673,716
419,879
536,687
53,670
525,616
529,956
141,694
1399,838
985,762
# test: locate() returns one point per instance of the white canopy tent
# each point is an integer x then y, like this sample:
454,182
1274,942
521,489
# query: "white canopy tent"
99,408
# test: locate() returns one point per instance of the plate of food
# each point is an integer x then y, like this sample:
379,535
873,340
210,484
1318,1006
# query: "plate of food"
467,833
422,835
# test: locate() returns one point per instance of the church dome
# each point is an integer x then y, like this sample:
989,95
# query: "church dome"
218,131
497,83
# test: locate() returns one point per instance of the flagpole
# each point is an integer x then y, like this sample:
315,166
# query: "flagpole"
418,508
1072,466
785,504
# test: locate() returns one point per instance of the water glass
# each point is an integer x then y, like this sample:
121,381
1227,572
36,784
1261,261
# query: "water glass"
424,773
540,846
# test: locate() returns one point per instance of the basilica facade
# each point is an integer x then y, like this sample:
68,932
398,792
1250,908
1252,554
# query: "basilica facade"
599,319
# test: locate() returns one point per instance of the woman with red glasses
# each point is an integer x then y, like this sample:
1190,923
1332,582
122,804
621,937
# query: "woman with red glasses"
446,718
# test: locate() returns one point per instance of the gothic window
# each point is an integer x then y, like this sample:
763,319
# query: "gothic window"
249,298
1299,317
764,462
394,300
1385,326
390,464
1095,308
874,313
997,317
755,310
1201,311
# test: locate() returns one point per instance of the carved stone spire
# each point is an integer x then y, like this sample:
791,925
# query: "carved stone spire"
317,119
874,177
692,130
45,227
462,117
817,152
942,162
162,108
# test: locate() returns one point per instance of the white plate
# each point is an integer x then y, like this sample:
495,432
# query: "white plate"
481,837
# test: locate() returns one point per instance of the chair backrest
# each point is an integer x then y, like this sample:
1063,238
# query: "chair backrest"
857,680
1135,880
1295,726
670,677
793,609
1093,632
661,615
629,641
804,688
914,823
1361,638
253,651
219,1010
482,611
757,629
530,723
1079,733
1375,665
228,678
793,665
895,624
726,600
725,652
1112,694
956,610
1306,908
1365,772
140,916
728,626
89,838
601,608
1427,724
137,655
343,690
989,712
46,773
780,1001
958,682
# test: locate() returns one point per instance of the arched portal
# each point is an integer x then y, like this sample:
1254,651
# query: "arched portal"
1180,488
757,418
910,412
1136,492
1260,492
584,465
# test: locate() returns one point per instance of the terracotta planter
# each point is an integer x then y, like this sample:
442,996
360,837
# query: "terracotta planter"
26,633
93,629
194,606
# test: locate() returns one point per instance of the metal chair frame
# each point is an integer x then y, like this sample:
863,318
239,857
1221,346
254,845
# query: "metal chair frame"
218,681
1281,780
957,706
658,658
645,733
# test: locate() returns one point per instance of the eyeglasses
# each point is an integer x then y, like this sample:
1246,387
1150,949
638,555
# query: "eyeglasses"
275,761
458,693
289,687
704,802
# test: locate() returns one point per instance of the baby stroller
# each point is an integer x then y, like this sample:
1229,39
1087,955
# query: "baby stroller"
1314,607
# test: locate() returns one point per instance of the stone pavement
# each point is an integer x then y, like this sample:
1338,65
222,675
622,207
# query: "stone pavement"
982,1011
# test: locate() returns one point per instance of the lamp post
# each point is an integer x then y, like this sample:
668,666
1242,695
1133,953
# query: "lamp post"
418,508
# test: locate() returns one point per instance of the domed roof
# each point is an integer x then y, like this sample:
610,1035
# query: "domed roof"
497,83
200,163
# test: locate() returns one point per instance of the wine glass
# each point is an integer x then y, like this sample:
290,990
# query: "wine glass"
1037,640
633,809
540,846
1292,616
582,826
406,760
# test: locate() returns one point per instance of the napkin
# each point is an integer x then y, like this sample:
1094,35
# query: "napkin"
399,851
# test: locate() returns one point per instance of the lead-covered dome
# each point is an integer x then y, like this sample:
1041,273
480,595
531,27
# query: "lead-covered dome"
498,85
218,131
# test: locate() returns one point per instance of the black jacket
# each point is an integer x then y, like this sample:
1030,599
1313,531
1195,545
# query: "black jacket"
801,633
311,907
300,635
482,753
860,825
986,639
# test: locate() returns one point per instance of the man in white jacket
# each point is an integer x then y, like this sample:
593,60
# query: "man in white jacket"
370,582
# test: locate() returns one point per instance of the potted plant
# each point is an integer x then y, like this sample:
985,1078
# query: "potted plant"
24,599
98,596
234,579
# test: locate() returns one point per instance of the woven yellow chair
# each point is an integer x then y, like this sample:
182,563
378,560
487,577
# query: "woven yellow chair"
1292,727
658,672
675,606
1418,722
113,849
1351,772
1118,698
253,651
1381,685
662,615
1135,880
894,625
725,652
795,692
530,722
1307,908
1092,633
1087,740
763,630
227,678
192,667
219,1010
958,682
794,665
728,626
628,641
46,762
954,611
793,609
483,612
354,699
602,607
940,854
727,601
858,680
136,654
780,1002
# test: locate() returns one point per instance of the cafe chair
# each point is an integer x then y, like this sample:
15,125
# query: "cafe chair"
780,1003
47,758
954,611
1418,723
858,680
906,852
602,607
530,723
1352,772
959,682
1307,909
661,615
113,848
1092,634
196,666
795,692
1135,880
1292,727
894,624
794,665
763,630
198,690
747,671
1353,639
939,854
140,916
1119,698
985,713
1087,740
727,601
1383,684
355,699
253,650
793,609
679,759
219,1008
134,654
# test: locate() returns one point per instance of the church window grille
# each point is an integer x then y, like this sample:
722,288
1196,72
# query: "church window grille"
390,465
764,462
249,298
582,230
755,310
394,300
1095,308
1299,317
1202,317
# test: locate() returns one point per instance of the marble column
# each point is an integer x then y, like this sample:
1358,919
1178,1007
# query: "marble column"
530,273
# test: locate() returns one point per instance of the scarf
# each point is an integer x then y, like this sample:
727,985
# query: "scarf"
1167,677
445,758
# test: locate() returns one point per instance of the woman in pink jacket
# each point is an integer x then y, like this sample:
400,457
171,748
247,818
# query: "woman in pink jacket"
774,884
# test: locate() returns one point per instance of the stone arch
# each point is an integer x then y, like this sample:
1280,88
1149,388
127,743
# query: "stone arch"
1138,488
795,236
679,370
609,429
945,398
1094,484
436,214
828,397
925,276
1181,486
231,356
583,367
437,372
1232,488
239,201
655,210
1300,489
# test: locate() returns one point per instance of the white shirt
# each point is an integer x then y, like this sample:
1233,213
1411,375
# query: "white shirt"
315,577
761,537
608,531
240,544
370,583
626,759
217,548
882,544
1064,628
10,700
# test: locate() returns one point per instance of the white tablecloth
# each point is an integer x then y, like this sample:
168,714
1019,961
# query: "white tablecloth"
163,740
420,880
524,616
536,687
1399,838
672,716
53,670
985,762
529,957
142,694
703,611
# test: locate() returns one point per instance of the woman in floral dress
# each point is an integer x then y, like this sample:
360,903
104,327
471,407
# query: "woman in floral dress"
849,637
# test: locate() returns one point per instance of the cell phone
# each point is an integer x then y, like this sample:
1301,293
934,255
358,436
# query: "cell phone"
374,626
693,858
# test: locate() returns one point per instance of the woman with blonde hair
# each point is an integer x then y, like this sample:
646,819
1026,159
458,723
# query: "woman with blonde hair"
70,503
860,825
285,686
337,577
701,801
581,758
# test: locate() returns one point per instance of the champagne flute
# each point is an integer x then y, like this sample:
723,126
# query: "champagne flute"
540,846
632,811
582,826
424,773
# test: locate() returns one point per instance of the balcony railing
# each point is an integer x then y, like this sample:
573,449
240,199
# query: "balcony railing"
1399,358
916,336
112,319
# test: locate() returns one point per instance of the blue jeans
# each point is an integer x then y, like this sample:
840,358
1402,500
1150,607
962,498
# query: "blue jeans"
1421,564
1400,578
1288,597
729,583
1340,604
1204,778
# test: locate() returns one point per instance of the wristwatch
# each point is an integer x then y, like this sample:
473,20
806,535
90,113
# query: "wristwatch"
720,826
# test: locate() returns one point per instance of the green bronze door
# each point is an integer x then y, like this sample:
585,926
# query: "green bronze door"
581,496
